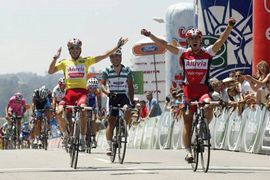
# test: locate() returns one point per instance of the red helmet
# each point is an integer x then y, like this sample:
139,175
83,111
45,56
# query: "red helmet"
74,42
193,33
18,96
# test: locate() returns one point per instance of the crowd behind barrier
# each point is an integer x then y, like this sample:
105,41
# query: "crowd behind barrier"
230,130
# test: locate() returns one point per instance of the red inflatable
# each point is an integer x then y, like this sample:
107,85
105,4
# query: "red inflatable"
261,32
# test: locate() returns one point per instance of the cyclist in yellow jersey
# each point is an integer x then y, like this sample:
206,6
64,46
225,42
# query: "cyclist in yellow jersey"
75,72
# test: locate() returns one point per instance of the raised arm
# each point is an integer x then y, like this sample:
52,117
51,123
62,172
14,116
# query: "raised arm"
120,43
52,68
257,82
159,41
224,36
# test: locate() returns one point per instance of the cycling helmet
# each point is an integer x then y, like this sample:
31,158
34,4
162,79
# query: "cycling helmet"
92,83
61,81
74,42
43,92
193,33
18,96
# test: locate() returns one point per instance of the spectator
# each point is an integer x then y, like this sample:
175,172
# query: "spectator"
143,110
152,105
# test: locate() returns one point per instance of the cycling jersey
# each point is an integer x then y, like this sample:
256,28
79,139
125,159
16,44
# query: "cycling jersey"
117,82
196,68
91,98
75,72
39,102
58,94
16,107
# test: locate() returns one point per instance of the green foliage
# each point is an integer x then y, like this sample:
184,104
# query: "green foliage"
24,83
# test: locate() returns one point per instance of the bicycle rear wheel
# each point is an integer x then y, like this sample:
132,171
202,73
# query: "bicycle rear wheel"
194,148
204,146
122,140
75,146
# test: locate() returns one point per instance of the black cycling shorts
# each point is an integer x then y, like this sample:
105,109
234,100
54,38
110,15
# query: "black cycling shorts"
120,99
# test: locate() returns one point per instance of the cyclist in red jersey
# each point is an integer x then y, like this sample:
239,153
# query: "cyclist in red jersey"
196,62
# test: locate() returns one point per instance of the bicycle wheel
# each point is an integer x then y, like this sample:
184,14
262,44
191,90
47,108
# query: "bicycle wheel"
114,144
88,135
75,146
204,146
122,140
194,148
45,134
14,136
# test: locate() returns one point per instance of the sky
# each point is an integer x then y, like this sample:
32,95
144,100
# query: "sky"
32,30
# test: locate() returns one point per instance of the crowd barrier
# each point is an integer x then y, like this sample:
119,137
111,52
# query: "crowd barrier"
248,131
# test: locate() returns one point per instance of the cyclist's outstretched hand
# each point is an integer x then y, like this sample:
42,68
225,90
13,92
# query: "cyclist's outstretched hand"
231,21
58,53
121,42
145,32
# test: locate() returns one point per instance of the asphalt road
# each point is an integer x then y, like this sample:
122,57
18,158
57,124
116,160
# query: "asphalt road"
139,164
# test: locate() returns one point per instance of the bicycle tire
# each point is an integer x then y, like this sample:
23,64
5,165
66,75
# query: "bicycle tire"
89,135
204,145
75,146
45,134
122,140
114,145
194,148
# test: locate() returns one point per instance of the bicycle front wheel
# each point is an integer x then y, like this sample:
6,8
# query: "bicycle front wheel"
75,146
194,148
114,145
204,146
45,134
122,140
88,137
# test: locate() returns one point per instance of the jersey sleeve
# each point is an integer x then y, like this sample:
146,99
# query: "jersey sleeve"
89,61
60,65
181,50
209,50
129,75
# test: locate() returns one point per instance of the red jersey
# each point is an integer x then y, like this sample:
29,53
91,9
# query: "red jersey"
196,69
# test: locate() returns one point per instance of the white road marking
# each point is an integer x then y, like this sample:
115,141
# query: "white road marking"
103,160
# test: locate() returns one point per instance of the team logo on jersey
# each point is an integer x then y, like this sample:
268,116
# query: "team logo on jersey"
196,64
76,71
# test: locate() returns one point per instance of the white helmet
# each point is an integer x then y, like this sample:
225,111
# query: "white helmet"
92,83
43,92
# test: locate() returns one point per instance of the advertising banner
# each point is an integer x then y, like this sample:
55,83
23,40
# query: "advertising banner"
138,82
179,19
150,60
261,26
212,20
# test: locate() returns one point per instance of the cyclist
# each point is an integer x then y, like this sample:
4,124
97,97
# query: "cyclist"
16,106
93,100
196,62
25,134
5,135
57,95
75,73
120,91
40,104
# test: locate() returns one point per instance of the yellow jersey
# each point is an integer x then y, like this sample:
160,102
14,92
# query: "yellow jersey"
75,72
